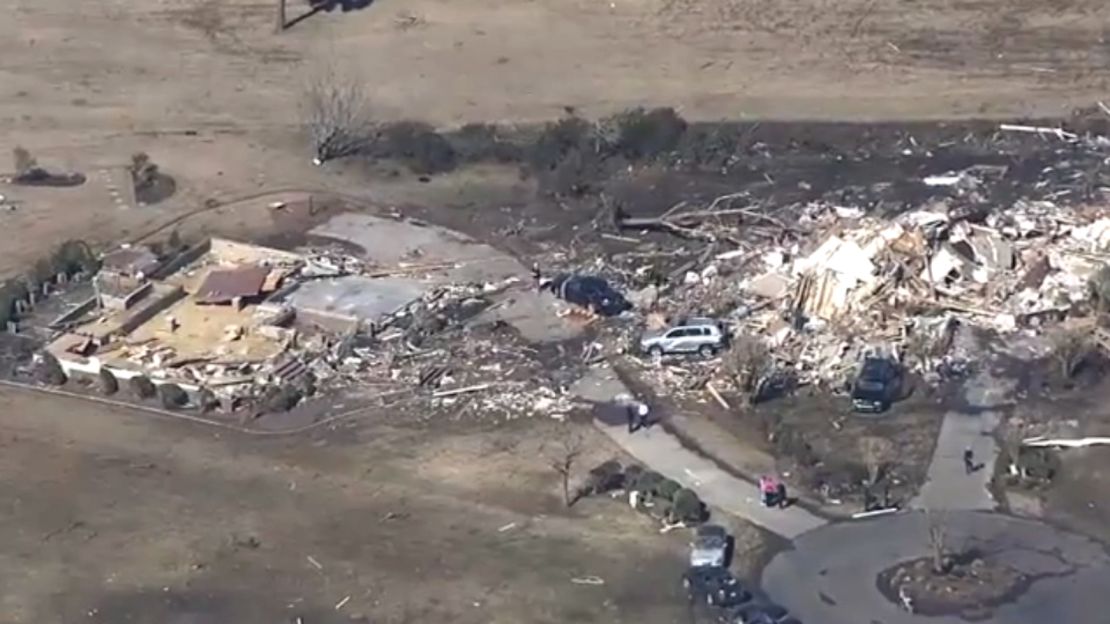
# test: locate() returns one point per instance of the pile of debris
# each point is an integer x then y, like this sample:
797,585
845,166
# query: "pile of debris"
823,285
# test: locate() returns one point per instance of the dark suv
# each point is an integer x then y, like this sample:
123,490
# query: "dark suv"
716,587
877,385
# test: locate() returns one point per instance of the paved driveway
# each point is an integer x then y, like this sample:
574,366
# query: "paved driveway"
664,453
829,577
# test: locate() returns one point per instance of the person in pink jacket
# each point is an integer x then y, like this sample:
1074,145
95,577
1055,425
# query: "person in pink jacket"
772,491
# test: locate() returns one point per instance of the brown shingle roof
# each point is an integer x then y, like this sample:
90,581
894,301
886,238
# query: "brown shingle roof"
223,285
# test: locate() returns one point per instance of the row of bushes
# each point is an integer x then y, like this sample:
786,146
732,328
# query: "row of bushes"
277,399
673,501
170,395
567,155
69,258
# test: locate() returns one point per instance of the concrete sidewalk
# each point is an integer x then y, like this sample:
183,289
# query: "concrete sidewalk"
948,485
662,452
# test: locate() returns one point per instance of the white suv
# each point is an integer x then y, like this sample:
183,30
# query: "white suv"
704,336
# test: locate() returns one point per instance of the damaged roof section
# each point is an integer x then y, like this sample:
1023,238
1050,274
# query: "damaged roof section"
226,285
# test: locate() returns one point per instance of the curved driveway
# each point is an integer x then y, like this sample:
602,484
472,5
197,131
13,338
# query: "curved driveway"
829,577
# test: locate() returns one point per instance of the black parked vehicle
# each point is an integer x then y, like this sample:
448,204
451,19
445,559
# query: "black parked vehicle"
728,597
714,586
758,613
877,385
587,291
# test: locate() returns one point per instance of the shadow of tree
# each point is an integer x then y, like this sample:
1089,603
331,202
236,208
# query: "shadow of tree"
327,6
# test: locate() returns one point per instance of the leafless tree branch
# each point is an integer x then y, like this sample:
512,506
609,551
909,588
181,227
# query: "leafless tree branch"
564,459
337,117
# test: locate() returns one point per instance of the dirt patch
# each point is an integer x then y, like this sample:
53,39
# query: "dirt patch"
817,440
155,188
308,523
970,587
1065,483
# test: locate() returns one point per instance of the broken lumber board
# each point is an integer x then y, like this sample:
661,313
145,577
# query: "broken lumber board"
440,394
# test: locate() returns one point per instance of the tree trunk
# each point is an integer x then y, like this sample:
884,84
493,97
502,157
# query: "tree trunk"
566,489
279,25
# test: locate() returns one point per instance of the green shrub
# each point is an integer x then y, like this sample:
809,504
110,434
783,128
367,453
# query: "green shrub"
647,134
75,256
688,508
419,146
49,371
477,142
569,156
631,475
10,292
207,400
604,478
142,387
172,396
667,489
281,398
107,382
648,482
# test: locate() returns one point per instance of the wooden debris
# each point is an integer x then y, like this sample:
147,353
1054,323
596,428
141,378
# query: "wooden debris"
1041,130
449,393
717,396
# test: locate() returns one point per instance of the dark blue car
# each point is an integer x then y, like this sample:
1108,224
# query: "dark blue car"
588,291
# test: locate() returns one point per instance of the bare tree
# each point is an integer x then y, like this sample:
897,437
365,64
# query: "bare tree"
1070,348
23,160
938,540
279,25
564,459
877,454
748,362
336,113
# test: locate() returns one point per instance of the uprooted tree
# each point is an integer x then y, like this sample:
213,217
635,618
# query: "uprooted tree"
336,113
1070,348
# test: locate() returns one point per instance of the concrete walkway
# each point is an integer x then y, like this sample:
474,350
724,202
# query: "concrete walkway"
663,453
948,486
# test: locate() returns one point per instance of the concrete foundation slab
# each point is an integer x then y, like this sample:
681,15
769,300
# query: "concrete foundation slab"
363,298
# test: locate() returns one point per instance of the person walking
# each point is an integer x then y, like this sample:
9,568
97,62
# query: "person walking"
969,461
637,414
